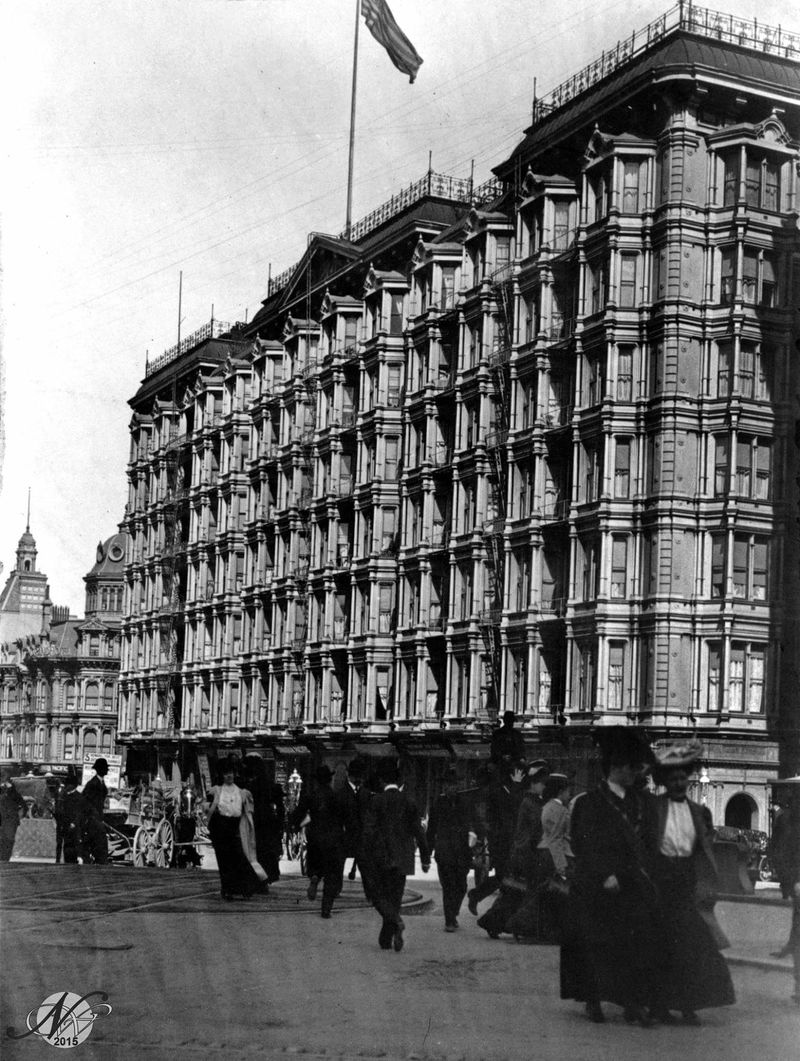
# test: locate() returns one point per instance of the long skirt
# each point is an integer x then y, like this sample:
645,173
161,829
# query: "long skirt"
611,951
235,873
694,973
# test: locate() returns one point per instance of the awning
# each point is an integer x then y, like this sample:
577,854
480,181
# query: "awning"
380,749
425,751
288,750
471,751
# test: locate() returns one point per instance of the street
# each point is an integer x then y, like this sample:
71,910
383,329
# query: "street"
188,976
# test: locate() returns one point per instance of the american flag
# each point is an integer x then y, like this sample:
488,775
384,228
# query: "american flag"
381,24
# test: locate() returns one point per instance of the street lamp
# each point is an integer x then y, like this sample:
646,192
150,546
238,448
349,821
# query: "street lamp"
704,783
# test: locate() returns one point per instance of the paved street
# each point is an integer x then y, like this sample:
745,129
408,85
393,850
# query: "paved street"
191,977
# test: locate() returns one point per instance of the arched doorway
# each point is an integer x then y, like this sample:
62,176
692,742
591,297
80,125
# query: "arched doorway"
741,812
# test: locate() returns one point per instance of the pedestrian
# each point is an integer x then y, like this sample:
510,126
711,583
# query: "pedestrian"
396,830
612,950
236,874
542,914
11,807
506,741
352,806
268,817
525,857
502,808
95,794
69,815
678,834
789,867
781,848
449,833
322,814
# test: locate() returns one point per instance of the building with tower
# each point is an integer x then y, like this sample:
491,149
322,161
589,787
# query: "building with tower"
58,674
526,446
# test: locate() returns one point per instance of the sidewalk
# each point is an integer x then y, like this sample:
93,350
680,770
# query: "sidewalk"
756,926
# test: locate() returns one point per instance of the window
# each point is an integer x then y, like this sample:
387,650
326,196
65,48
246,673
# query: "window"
627,281
108,697
762,183
616,674
597,286
714,676
585,676
590,571
385,606
392,452
727,276
619,567
393,394
94,644
721,449
759,281
599,191
502,252
594,380
718,566
448,286
753,467
90,742
396,314
750,567
622,467
630,186
561,232
746,678
592,464
69,744
731,179
625,373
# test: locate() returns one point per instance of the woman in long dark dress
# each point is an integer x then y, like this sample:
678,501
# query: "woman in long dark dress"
678,834
612,950
228,805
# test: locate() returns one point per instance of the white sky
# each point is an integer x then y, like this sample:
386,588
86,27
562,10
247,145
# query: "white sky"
145,137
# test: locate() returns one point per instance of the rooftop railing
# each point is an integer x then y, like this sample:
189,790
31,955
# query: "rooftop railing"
770,40
212,330
458,189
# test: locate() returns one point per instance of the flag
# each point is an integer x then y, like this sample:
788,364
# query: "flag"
381,24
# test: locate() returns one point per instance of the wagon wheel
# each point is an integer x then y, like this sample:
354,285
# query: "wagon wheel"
164,844
141,847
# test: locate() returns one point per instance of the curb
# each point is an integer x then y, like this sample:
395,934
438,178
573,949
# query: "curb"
767,965
416,904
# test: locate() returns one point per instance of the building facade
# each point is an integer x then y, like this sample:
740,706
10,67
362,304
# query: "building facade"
526,446
58,683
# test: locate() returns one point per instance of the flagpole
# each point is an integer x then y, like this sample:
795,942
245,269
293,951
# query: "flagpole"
349,217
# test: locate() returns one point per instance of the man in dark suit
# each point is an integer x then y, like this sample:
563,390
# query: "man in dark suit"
321,812
352,805
95,794
396,832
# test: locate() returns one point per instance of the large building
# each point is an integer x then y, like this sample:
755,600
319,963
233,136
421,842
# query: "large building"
526,446
58,673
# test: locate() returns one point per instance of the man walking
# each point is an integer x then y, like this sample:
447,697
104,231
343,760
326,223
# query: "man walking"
322,814
95,794
396,831
502,807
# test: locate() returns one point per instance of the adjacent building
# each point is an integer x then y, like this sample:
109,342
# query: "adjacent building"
58,673
529,445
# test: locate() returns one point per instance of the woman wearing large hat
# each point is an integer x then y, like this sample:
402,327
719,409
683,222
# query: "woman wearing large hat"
678,834
610,951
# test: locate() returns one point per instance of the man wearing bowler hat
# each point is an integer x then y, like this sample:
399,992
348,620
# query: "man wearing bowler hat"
95,794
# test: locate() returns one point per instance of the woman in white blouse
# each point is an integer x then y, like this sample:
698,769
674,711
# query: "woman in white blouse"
678,834
230,828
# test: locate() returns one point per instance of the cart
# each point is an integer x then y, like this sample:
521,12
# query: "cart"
161,815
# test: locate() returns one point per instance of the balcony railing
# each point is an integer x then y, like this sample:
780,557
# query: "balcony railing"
684,16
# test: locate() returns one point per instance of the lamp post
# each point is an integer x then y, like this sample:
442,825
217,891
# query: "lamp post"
704,781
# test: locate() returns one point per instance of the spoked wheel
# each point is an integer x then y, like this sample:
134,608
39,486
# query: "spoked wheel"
164,844
141,847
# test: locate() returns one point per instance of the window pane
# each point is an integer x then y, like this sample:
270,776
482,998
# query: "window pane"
755,692
736,683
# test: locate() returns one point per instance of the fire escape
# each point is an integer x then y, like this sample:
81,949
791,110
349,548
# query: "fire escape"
173,573
496,442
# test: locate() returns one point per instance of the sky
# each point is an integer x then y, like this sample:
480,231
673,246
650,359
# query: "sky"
145,138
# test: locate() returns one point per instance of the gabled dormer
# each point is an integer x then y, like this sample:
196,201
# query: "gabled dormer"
489,246
385,293
618,175
548,214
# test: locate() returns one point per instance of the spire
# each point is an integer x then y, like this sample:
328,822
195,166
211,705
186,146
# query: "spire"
28,520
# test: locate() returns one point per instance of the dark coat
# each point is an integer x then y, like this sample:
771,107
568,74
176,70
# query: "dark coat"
324,810
397,830
353,803
507,742
615,941
449,827
95,794
502,807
